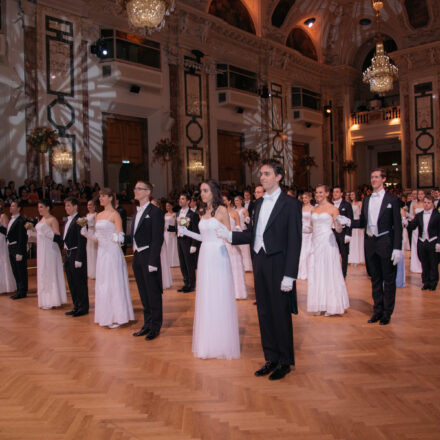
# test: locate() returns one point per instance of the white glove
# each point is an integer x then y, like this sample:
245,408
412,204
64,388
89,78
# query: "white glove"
18,257
48,233
344,221
224,234
88,233
118,237
152,268
287,284
307,229
338,226
404,221
396,256
84,232
192,250
347,239
185,232
437,247
78,264
179,230
247,219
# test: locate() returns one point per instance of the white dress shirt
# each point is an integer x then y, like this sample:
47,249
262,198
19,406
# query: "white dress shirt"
374,205
67,225
246,204
183,212
426,218
337,203
265,211
11,221
139,215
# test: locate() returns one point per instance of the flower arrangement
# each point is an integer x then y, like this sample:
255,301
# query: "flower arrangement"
29,226
41,138
250,156
307,162
82,221
349,166
164,150
183,221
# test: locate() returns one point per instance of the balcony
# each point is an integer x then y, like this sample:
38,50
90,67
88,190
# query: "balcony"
375,116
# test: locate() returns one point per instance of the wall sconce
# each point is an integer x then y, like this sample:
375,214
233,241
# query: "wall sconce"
327,110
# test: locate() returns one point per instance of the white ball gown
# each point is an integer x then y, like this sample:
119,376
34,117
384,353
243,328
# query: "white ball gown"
170,240
245,249
215,332
51,287
112,292
356,253
415,265
306,247
167,279
7,280
326,285
92,248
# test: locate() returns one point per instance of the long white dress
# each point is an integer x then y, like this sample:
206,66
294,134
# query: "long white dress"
92,248
245,249
170,239
215,332
306,247
326,285
112,292
356,253
415,265
237,267
167,279
7,280
51,286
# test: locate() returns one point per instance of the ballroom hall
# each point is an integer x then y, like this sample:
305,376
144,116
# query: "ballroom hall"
101,99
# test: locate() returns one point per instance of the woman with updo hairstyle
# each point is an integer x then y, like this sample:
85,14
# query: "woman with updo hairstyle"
7,280
92,245
306,243
51,286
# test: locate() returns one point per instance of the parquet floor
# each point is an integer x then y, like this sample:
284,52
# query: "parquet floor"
67,378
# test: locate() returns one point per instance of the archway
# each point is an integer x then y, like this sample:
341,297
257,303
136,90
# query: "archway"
300,41
234,13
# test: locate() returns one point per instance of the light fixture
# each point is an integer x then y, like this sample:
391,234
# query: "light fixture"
62,159
149,14
327,110
310,22
381,74
197,166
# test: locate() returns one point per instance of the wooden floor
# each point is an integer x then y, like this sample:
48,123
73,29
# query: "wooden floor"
67,378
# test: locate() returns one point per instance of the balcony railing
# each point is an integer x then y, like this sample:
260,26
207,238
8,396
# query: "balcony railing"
375,116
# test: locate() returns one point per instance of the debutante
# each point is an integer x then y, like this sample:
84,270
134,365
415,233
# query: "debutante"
306,244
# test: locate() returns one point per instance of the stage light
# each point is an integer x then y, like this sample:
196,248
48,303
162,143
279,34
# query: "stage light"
310,22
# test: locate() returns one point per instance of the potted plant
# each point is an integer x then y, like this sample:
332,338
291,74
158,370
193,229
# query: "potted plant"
350,166
250,157
307,162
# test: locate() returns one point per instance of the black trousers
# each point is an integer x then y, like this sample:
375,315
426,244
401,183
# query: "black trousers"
429,259
187,262
150,290
77,281
19,270
378,251
273,307
344,249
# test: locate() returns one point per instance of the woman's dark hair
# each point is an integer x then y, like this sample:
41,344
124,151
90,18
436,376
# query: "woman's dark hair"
47,203
109,193
216,197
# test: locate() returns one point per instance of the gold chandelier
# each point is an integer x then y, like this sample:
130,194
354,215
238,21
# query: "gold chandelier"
149,14
62,159
381,74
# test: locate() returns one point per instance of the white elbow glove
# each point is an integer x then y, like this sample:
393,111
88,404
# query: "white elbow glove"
343,221
183,230
307,229
405,222
152,268
224,233
89,234
78,264
48,233
287,284
347,239
396,256
118,237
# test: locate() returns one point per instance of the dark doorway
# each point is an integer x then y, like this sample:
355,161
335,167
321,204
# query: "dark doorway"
300,175
230,167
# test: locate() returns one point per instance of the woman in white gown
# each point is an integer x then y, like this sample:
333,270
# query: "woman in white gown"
416,207
92,245
170,236
356,253
7,280
245,249
51,286
326,285
112,293
234,252
306,243
215,333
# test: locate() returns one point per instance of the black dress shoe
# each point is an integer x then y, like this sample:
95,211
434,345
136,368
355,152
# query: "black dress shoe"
153,334
80,313
188,289
142,332
16,296
267,368
374,319
384,320
182,289
280,372
425,287
72,312
432,288
255,303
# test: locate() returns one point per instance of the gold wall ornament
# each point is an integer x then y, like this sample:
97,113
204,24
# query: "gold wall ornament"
149,14
62,159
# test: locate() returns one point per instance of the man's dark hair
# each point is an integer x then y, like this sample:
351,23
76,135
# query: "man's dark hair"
383,173
72,200
429,197
19,204
276,165
338,186
147,184
186,195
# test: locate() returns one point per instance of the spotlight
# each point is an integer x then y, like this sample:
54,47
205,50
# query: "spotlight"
101,48
327,110
310,22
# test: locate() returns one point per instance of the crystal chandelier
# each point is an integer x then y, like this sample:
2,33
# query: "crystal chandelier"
149,14
381,74
62,159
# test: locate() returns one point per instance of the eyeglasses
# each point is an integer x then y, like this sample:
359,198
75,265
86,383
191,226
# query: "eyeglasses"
137,188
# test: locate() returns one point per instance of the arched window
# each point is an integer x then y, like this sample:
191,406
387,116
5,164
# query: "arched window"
418,14
234,13
281,11
301,42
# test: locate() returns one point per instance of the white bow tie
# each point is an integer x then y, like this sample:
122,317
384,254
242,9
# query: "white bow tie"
269,197
375,194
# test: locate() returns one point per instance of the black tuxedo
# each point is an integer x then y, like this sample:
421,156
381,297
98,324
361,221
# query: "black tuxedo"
186,259
75,249
346,210
123,213
282,241
437,203
378,251
17,245
426,249
149,234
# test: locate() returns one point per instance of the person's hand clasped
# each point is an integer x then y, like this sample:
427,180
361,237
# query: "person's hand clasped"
181,231
18,257
192,249
78,264
287,284
224,234
152,268
347,239
396,256
437,247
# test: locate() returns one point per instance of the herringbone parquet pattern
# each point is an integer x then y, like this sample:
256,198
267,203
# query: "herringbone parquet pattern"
67,378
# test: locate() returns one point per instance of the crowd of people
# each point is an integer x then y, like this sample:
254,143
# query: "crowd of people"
215,235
